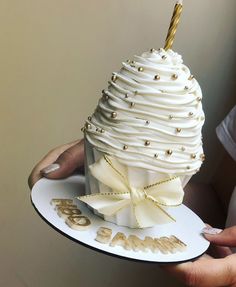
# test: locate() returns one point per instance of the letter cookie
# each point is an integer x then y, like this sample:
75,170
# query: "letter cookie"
103,235
78,222
119,239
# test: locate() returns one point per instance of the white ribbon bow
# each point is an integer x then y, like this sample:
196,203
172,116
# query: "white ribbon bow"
148,203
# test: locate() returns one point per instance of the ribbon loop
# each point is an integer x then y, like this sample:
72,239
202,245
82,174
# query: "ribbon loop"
149,202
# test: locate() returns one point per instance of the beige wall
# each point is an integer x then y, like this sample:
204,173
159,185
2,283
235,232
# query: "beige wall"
55,58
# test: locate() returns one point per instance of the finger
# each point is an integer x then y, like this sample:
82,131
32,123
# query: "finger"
49,158
207,272
226,237
219,251
66,163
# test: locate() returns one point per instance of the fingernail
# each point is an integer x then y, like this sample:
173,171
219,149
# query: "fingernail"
50,168
211,231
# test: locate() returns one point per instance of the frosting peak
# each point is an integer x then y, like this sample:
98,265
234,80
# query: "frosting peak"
151,116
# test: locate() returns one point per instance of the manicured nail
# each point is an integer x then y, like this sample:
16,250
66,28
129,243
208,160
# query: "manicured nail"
211,231
50,168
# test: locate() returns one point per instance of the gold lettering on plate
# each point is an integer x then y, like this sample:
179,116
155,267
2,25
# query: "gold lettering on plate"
67,210
165,245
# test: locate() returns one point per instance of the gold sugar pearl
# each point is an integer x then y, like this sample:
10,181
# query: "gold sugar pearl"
191,77
82,129
152,50
103,91
147,122
114,78
102,131
88,126
178,130
156,155
132,104
125,147
126,95
202,157
188,167
106,97
169,152
135,92
174,77
157,77
199,99
97,129
140,69
128,61
170,117
113,115
186,87
89,118
164,57
193,155
147,143
183,148
132,62
190,114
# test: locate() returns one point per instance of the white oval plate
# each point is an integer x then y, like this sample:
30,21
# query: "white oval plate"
187,227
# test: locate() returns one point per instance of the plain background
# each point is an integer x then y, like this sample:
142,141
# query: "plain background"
55,58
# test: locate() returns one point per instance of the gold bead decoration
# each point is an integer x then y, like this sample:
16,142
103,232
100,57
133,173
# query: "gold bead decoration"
82,129
140,69
103,91
183,148
113,115
102,131
174,77
188,167
106,97
193,155
199,99
170,117
186,87
157,77
88,126
191,77
132,104
126,95
135,92
156,155
147,143
89,118
178,130
202,157
147,122
97,129
190,114
125,147
114,78
128,61
164,57
152,50
169,152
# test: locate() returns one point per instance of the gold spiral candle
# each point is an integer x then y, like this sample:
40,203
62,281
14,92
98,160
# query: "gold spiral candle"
173,25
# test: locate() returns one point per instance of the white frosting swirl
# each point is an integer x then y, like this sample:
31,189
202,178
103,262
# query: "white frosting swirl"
151,122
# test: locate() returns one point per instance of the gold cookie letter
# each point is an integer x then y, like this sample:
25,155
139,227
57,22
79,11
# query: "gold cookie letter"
65,211
62,202
78,222
103,235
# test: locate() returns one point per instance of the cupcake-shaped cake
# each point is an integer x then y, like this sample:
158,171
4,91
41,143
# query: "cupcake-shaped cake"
143,142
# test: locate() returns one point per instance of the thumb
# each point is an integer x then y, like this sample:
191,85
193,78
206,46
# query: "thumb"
226,237
66,163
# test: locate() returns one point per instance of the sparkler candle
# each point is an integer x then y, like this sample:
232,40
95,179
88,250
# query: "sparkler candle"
173,24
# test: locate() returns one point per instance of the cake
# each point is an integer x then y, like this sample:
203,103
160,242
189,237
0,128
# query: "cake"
148,125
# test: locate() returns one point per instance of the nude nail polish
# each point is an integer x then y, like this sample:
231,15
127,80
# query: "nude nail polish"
211,231
50,168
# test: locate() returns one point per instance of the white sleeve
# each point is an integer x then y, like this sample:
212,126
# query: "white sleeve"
226,133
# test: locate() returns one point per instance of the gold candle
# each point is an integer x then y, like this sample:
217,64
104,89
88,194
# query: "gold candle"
173,25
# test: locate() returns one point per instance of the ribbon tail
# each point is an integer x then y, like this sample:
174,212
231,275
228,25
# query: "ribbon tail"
149,213
105,203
